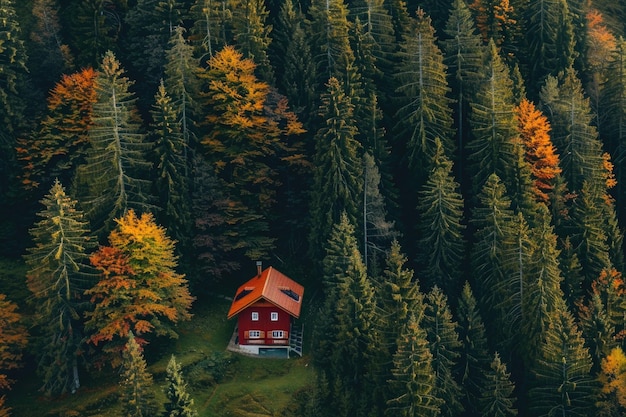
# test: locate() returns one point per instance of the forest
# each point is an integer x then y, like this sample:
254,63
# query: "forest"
446,176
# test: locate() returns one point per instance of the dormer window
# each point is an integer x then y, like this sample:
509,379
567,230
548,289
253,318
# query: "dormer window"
290,293
243,293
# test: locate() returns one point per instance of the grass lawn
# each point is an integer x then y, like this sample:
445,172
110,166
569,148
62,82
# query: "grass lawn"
222,383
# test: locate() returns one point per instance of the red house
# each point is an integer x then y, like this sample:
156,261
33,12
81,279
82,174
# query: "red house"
266,307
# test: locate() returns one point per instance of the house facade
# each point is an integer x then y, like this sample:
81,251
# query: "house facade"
266,307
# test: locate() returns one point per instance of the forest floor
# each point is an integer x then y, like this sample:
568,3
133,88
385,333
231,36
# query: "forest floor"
220,382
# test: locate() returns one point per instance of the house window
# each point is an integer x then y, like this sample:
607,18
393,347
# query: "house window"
255,316
278,334
254,334
274,316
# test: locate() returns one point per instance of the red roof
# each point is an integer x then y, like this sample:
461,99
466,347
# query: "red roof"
273,286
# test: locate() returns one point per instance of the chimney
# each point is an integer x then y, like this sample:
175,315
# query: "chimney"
259,268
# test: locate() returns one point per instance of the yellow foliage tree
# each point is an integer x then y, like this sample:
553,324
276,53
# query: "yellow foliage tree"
613,377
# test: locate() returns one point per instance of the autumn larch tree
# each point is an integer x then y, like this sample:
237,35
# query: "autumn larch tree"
13,339
139,289
613,384
136,382
58,275
245,139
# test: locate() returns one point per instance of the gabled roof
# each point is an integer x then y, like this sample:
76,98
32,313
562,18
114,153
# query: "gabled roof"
273,286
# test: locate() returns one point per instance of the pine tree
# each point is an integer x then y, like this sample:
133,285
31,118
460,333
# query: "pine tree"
136,382
413,383
474,359
425,113
179,402
561,377
172,180
493,124
550,38
497,394
139,289
113,178
463,55
57,277
337,179
440,212
444,344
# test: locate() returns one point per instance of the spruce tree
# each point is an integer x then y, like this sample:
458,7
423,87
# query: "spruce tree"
412,386
136,382
497,398
57,277
440,212
114,177
179,402
251,34
337,175
444,344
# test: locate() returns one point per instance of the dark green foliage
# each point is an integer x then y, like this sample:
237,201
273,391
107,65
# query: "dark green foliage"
57,277
251,34
440,212
179,402
562,382
337,175
497,394
113,178
444,344
474,360
412,387
136,382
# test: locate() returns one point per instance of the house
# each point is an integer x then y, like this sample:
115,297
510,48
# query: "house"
266,307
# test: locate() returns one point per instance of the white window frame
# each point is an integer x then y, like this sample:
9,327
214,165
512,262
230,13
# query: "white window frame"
274,316
278,334
254,334
255,316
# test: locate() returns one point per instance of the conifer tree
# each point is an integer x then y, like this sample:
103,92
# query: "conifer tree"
251,34
412,387
179,402
474,359
136,382
62,141
13,340
212,27
337,179
444,344
493,124
57,278
440,211
114,177
562,382
497,394
139,289
597,328
172,180
463,55
425,113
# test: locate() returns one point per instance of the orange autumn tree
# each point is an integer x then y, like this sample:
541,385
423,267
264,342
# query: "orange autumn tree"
613,380
61,142
139,289
534,130
13,339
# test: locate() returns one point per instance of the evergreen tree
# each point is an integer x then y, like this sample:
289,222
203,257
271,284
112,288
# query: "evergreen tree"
211,29
412,386
13,340
493,124
443,340
337,179
597,329
550,39
251,34
562,382
440,212
497,394
425,113
136,382
172,183
179,403
463,55
474,359
57,277
113,178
